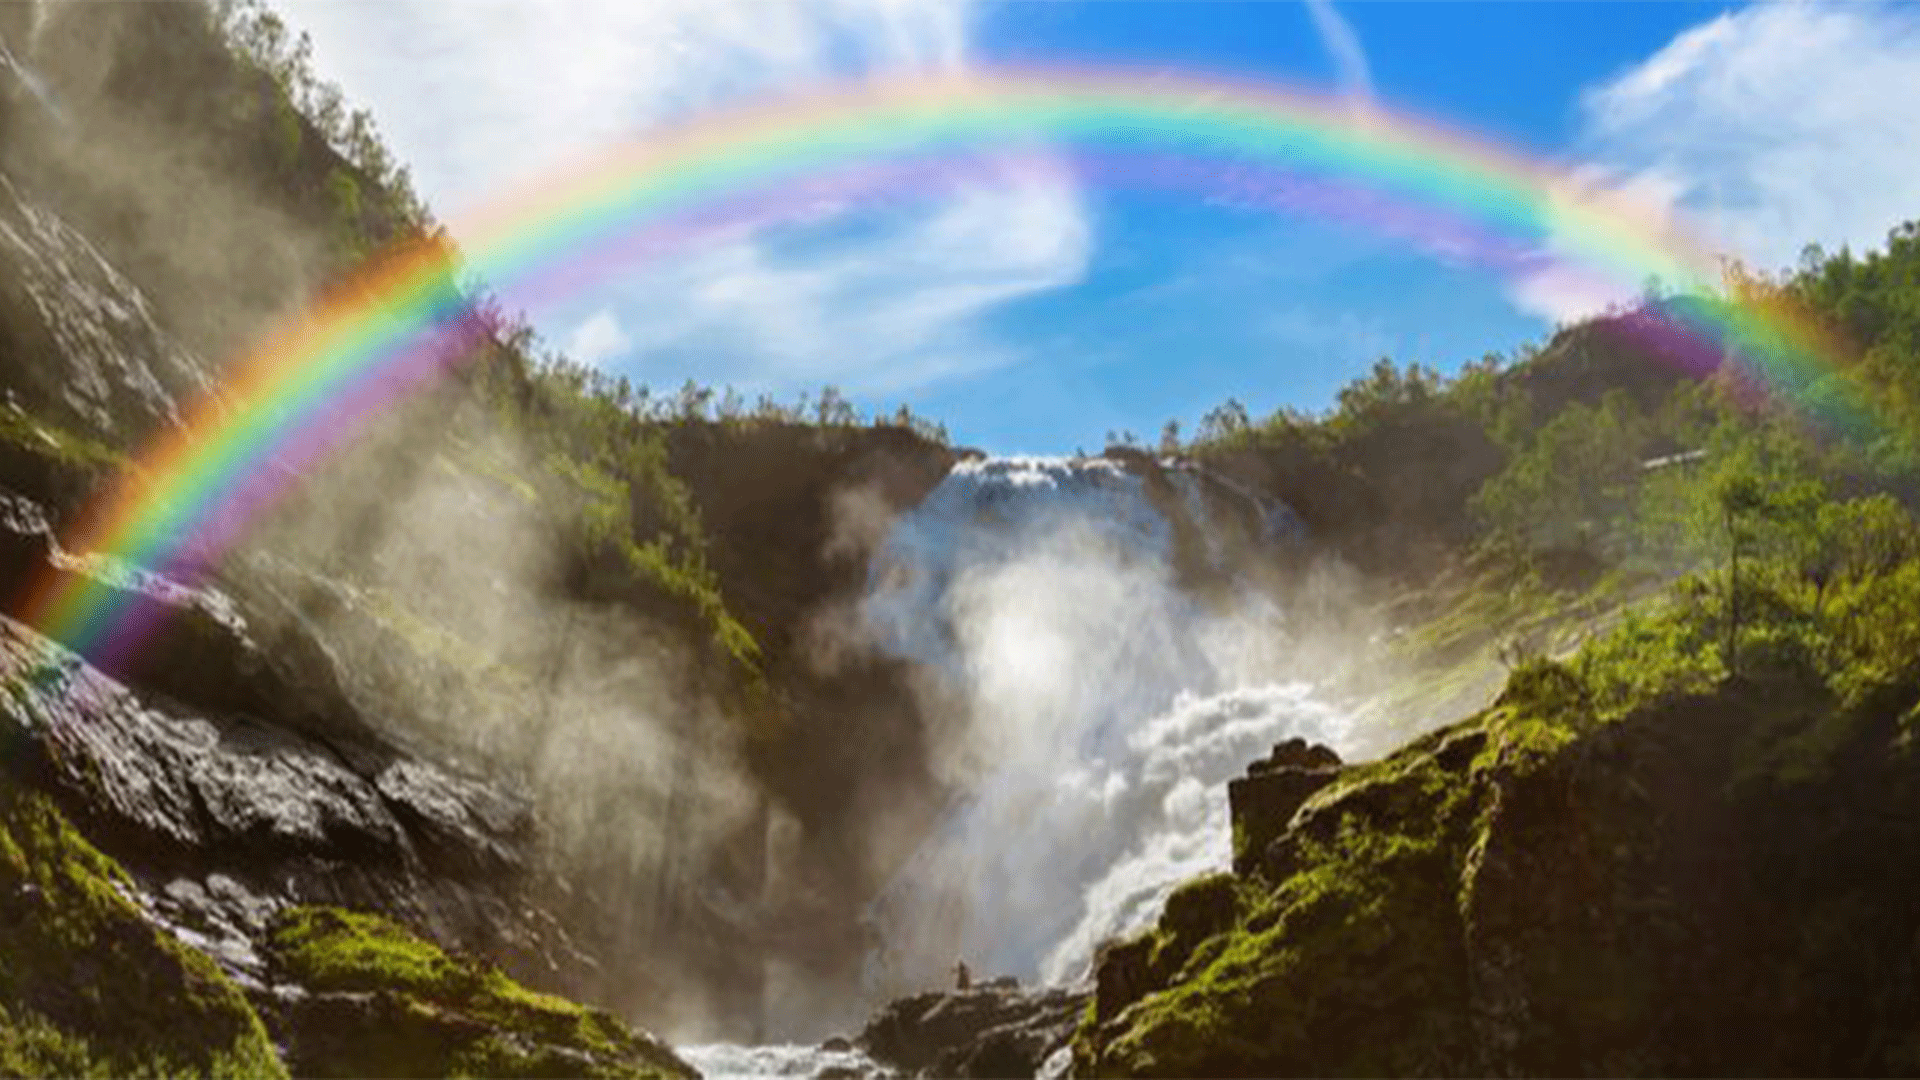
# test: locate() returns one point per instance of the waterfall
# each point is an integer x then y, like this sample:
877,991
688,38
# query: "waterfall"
1088,704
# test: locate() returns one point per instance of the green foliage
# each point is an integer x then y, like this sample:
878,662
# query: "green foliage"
257,35
1874,623
610,464
1648,655
1545,687
1592,444
1567,485
48,440
349,214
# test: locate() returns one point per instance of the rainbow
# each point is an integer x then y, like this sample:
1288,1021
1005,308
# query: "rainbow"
400,322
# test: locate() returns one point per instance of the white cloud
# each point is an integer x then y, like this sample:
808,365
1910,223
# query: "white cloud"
1562,292
477,94
1343,47
886,314
598,339
1770,127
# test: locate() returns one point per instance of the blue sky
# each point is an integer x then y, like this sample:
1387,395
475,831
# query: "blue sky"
1306,306
1036,310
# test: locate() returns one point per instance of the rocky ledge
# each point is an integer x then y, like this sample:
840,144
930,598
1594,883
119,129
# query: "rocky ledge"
995,1029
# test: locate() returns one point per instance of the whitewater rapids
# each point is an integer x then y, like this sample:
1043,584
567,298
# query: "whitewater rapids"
1090,706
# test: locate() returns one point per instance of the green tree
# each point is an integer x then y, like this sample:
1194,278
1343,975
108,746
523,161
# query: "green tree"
1569,485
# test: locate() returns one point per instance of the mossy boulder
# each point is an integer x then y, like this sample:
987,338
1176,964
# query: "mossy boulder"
1541,890
87,985
1261,803
377,1000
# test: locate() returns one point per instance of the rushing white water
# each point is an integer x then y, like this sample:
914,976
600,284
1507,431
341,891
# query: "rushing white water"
1090,707
724,1061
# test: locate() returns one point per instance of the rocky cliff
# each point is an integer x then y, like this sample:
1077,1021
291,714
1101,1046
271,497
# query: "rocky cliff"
227,780
1713,883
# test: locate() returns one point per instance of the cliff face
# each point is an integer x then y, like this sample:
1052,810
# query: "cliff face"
225,770
1714,883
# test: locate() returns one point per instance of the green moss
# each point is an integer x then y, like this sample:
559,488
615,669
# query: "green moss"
444,1014
49,440
1365,920
1350,964
330,949
90,986
30,1046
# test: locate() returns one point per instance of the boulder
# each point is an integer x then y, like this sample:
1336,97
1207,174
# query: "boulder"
1263,802
989,1031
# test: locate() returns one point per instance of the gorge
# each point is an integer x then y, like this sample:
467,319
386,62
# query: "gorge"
546,728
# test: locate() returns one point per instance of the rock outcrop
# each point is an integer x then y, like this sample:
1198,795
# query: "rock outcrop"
96,980
1263,802
358,995
89,985
993,1030
1714,883
237,771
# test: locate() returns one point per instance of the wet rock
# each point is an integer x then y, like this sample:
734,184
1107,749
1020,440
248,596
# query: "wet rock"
225,816
1123,974
983,1032
198,648
1264,801
83,344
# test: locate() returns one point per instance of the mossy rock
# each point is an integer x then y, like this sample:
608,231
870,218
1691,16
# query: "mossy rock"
381,1001
87,985
1372,922
1351,960
1545,889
